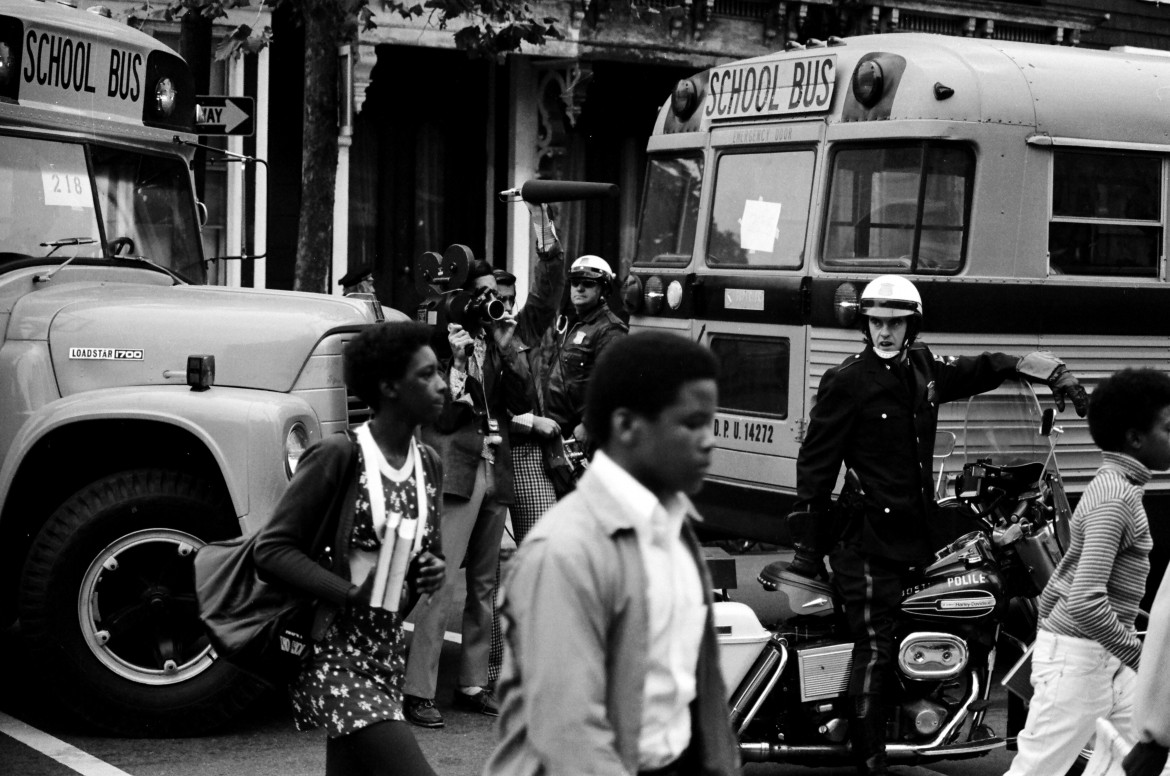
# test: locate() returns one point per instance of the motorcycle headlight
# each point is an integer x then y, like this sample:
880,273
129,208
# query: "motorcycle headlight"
295,443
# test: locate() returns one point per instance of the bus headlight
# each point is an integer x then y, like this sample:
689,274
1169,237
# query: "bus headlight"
846,302
674,294
295,443
652,297
868,83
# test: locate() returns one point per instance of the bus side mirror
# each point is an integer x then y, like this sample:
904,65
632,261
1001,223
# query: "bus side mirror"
1047,421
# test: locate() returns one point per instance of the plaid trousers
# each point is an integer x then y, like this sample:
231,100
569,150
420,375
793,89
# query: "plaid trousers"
534,496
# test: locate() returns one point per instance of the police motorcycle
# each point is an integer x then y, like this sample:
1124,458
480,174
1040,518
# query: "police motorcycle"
1005,505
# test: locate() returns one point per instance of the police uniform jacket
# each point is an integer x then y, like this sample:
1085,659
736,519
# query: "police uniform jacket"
568,352
878,417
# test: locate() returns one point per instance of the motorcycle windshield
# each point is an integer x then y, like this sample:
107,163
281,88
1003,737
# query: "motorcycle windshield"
1004,426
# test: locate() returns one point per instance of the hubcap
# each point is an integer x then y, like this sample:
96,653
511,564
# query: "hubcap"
137,608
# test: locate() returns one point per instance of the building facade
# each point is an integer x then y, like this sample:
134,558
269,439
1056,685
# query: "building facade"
436,135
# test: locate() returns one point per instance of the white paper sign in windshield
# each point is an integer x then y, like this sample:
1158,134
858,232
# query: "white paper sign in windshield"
771,88
757,227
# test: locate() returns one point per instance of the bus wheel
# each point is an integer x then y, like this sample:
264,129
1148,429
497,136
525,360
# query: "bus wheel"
108,608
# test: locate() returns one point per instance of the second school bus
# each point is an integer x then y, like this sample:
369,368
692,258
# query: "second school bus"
1022,188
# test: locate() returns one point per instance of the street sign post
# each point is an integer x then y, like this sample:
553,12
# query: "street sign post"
218,114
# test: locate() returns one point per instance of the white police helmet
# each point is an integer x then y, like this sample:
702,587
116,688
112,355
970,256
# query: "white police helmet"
593,268
891,296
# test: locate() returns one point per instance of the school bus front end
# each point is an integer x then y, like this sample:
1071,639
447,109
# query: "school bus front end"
1022,188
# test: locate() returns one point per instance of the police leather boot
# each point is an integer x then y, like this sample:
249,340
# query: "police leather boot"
867,733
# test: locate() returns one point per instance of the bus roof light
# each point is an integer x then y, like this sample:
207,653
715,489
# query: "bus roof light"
164,95
101,11
835,40
942,91
868,83
6,65
793,46
685,99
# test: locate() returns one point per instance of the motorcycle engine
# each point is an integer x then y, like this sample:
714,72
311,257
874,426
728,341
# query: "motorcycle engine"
930,656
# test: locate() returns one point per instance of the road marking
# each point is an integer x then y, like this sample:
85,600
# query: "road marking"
450,636
66,754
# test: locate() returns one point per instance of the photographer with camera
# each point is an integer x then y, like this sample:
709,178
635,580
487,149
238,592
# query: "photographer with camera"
471,435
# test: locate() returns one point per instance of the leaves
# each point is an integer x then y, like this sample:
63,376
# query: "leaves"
243,40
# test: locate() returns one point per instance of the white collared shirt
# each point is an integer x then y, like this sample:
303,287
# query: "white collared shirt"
674,596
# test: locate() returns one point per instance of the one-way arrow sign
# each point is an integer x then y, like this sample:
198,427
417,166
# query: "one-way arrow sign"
218,114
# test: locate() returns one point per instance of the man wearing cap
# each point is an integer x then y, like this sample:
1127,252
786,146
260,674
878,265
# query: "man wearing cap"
570,348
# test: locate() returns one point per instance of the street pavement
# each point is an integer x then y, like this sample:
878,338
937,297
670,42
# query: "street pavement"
36,740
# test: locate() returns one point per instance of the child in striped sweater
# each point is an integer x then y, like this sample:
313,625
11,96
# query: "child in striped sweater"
1086,653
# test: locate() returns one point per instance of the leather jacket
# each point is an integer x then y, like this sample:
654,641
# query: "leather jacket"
567,354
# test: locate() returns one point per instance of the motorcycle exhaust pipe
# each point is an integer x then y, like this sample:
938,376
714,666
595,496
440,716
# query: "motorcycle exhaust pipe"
765,752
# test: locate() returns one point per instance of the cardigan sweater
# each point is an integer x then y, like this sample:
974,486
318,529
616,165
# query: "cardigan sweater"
325,487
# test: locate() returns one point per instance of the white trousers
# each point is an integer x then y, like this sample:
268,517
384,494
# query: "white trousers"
1074,682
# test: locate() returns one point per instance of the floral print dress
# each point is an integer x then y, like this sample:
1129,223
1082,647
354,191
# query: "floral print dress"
355,675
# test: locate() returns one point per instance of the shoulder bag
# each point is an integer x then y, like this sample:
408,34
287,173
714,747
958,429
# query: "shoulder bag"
258,625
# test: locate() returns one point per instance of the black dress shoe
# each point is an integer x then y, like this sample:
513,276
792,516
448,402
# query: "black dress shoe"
421,712
483,702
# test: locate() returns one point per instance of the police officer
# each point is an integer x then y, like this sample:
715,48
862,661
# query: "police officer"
569,350
876,412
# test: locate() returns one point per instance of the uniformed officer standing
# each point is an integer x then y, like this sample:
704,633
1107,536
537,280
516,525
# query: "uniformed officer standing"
877,412
569,350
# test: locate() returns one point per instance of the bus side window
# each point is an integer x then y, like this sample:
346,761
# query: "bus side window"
1106,214
666,234
901,207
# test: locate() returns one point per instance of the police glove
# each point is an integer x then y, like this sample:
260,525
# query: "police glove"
1147,758
1047,368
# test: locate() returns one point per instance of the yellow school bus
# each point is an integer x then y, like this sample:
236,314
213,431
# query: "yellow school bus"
1022,188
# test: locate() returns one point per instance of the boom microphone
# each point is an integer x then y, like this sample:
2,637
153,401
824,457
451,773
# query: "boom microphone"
540,192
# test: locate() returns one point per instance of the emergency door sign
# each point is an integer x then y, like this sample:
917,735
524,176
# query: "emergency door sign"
218,114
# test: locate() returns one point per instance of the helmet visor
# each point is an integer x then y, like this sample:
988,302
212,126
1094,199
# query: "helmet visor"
588,273
889,308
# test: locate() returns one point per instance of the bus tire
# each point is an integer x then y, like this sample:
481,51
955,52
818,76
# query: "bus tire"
108,609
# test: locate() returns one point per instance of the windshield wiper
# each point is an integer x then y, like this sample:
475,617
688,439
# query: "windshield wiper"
55,244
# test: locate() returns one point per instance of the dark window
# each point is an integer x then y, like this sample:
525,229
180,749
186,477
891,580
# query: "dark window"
1106,214
670,211
753,374
903,207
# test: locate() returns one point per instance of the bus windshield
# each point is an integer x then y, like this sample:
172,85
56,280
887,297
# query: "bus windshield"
669,217
760,212
899,207
52,191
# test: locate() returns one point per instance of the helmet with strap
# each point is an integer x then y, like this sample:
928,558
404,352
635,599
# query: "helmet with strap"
892,296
